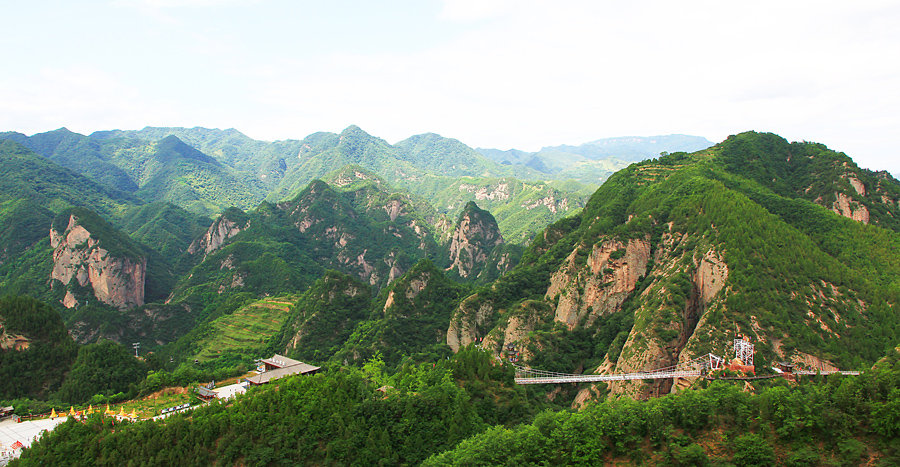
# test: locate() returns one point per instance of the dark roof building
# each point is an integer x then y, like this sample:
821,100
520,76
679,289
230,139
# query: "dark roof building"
279,361
206,393
280,366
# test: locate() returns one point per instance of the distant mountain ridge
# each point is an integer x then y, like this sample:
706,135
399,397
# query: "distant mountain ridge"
790,243
594,161
634,148
775,240
205,171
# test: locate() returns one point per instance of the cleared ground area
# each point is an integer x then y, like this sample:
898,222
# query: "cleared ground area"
244,333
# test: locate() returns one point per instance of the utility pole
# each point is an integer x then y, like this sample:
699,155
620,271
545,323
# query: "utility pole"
136,346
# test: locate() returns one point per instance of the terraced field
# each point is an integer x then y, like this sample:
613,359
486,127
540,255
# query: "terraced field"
244,333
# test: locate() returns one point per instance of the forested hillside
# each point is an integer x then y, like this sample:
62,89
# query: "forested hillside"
207,171
392,267
466,411
671,257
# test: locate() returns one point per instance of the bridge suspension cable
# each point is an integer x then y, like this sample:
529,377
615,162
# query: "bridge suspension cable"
695,367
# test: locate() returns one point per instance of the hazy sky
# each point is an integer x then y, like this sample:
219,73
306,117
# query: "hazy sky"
491,73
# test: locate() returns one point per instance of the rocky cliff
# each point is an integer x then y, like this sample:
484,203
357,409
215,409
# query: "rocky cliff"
587,289
227,225
79,257
473,243
672,257
410,317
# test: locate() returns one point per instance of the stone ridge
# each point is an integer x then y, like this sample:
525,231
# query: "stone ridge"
222,229
78,258
475,236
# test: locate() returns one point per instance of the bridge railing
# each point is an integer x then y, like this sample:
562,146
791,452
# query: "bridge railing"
695,367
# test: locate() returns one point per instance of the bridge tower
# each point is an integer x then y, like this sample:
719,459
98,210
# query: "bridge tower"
743,350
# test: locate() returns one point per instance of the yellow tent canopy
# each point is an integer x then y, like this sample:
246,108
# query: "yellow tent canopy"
52,413
122,411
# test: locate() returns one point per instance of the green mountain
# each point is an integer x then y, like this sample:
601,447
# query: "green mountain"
36,351
100,276
324,317
451,158
595,161
366,233
151,272
674,255
79,153
443,171
408,319
26,175
520,208
789,243
164,227
166,169
206,171
176,172
476,250
264,161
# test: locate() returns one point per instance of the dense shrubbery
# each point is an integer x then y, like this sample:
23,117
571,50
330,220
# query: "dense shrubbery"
340,417
414,325
841,421
37,371
105,368
466,411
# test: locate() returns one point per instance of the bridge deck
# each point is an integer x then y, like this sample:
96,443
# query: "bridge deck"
620,377
836,372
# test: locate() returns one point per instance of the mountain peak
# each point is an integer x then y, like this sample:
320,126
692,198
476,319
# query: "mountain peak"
355,131
173,146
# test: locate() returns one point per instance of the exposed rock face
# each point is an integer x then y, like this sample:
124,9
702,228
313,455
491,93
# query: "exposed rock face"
710,276
115,281
394,209
668,334
413,288
12,341
475,236
857,185
553,204
468,316
443,230
498,192
851,209
601,284
69,301
222,229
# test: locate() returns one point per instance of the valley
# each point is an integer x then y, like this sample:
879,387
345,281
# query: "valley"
423,269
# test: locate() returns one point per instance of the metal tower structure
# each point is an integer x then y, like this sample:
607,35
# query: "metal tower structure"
743,350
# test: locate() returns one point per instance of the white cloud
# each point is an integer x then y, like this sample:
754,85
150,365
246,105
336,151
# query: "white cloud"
477,10
79,98
160,4
516,74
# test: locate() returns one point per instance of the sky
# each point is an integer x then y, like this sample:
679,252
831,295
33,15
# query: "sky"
500,74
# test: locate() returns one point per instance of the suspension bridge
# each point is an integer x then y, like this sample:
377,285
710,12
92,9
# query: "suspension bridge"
699,366
695,367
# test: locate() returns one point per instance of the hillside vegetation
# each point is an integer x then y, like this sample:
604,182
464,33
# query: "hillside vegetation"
465,411
413,312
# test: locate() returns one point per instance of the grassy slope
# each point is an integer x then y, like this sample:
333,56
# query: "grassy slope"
245,332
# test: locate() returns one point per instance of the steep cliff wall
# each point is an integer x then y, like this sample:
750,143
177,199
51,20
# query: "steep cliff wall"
596,286
80,258
476,251
221,230
475,236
